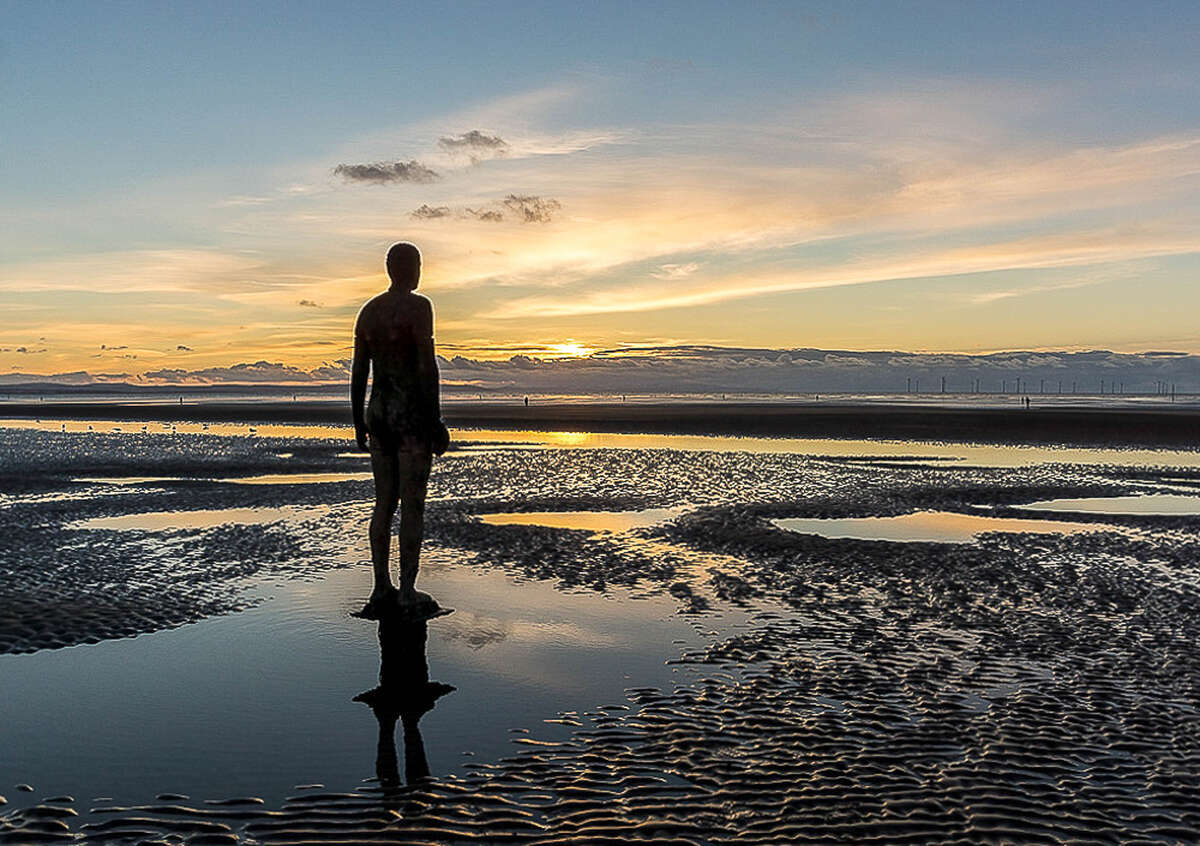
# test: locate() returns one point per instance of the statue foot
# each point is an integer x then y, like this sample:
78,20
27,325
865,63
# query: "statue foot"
416,605
402,606
381,602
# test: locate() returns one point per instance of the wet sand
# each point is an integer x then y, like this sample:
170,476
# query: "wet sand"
1161,426
1017,688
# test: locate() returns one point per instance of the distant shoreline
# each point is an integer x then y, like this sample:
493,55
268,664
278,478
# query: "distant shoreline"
1164,428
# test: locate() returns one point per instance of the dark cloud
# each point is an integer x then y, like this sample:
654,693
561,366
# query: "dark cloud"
381,173
106,347
184,348
526,208
700,369
78,377
706,369
427,212
332,371
258,371
308,304
476,144
531,209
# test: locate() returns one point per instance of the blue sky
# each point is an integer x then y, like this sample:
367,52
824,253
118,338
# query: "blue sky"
939,176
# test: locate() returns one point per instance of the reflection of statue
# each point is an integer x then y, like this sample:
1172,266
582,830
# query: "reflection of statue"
405,693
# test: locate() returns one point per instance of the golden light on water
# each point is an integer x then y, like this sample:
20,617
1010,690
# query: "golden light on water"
566,439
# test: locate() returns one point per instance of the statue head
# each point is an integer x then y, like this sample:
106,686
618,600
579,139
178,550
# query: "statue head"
404,265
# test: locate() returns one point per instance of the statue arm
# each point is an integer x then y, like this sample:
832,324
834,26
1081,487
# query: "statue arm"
431,389
359,369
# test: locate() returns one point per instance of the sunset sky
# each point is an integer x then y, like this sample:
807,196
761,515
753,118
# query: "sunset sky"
197,185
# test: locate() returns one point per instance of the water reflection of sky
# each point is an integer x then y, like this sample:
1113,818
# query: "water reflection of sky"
260,701
163,521
984,455
1150,504
937,526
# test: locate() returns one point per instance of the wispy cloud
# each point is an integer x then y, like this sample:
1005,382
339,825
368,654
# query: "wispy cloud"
676,271
1042,252
126,271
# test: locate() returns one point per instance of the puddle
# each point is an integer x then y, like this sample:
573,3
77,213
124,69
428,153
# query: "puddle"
265,479
127,480
1150,504
8,500
160,521
936,526
258,702
298,478
593,521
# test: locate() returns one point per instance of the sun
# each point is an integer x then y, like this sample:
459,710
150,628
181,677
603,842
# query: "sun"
570,348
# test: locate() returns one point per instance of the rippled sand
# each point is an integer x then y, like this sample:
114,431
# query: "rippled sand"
1020,688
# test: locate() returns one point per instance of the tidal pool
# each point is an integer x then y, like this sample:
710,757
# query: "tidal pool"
160,521
1151,504
257,702
934,526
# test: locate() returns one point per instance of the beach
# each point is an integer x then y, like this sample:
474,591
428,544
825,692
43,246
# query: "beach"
814,388
669,638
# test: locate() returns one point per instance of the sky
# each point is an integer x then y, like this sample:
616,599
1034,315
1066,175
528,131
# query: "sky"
189,187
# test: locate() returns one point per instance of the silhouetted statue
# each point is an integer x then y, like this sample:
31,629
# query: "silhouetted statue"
401,426
404,694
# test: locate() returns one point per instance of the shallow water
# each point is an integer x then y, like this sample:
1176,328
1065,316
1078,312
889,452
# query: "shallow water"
260,701
1152,504
299,478
184,428
265,479
932,526
977,455
159,521
595,521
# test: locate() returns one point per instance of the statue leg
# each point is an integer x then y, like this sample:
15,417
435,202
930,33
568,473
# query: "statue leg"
384,465
414,478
